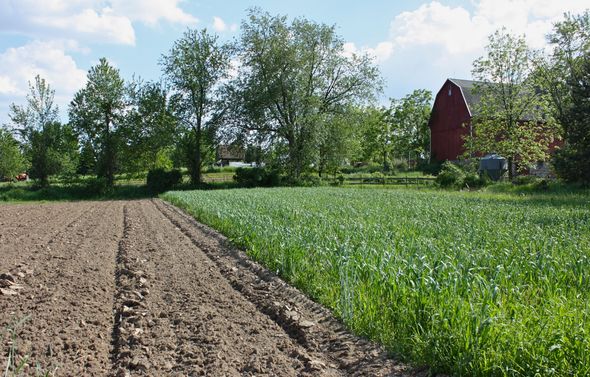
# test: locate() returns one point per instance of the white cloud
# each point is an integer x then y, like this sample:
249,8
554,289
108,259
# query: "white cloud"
20,65
380,53
108,21
151,12
103,25
220,26
436,41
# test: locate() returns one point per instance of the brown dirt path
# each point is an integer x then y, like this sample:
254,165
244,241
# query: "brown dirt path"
139,288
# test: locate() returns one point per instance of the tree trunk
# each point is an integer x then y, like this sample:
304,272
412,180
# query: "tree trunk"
109,151
196,173
510,168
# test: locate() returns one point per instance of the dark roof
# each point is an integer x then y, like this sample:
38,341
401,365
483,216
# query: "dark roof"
471,98
230,152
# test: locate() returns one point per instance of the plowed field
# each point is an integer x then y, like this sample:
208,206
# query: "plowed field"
139,288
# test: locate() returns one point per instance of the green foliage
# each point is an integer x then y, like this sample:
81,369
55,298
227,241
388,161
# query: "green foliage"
513,116
39,111
160,180
87,160
11,159
194,68
151,130
409,118
430,168
573,165
451,175
566,76
53,151
50,147
469,284
97,114
257,177
295,78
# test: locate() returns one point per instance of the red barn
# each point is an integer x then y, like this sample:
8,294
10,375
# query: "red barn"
451,118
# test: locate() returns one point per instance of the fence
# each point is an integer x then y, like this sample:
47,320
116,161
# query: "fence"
388,181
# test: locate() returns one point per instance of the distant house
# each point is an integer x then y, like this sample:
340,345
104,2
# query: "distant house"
227,154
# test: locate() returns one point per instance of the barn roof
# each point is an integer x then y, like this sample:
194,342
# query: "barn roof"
471,98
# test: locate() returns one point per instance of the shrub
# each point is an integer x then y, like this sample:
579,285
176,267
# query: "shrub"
430,168
400,165
160,180
97,186
450,175
257,177
474,180
522,180
572,165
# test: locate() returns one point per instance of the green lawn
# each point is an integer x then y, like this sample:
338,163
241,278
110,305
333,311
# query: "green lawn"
467,283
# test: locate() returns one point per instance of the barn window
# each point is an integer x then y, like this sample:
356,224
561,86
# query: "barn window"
450,90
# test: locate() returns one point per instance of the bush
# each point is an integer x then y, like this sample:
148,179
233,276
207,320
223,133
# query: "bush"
572,166
257,177
400,165
429,168
160,180
522,180
474,180
450,175
97,186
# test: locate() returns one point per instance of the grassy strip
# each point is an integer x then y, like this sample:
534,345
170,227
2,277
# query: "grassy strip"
478,284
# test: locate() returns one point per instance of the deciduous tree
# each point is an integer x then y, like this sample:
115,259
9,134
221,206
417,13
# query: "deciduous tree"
293,75
49,146
194,68
409,123
11,158
566,77
97,113
513,117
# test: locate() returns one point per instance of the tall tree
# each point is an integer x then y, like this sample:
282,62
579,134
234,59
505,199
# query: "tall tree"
513,116
377,136
151,128
292,76
53,150
11,158
194,68
566,77
340,139
97,113
39,111
409,119
40,132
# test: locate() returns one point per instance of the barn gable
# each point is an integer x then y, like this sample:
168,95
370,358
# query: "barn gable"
451,113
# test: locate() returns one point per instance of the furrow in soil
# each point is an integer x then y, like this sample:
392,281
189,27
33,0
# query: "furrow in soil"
63,289
309,324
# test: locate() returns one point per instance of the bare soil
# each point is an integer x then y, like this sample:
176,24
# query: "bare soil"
127,288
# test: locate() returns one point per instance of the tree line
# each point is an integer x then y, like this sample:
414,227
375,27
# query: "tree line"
284,90
287,93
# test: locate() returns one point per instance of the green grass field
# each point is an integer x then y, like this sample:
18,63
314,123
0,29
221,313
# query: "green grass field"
467,283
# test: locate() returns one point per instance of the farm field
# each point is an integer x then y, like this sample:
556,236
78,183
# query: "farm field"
123,288
467,283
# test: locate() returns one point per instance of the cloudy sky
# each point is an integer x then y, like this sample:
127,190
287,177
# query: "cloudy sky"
416,43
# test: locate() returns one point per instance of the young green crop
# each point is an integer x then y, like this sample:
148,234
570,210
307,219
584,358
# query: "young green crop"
471,284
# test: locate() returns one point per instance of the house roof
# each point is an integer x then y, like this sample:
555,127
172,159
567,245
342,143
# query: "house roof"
230,152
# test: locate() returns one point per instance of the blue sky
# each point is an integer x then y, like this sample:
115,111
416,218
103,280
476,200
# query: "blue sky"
417,44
